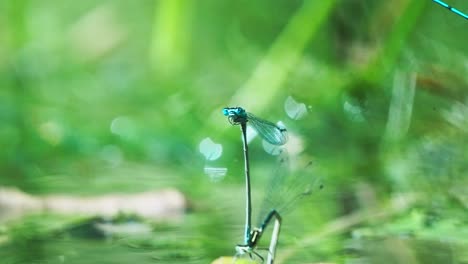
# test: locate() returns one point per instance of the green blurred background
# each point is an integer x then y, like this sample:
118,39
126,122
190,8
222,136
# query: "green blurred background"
116,96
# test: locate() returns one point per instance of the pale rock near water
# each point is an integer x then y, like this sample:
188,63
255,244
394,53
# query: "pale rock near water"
166,204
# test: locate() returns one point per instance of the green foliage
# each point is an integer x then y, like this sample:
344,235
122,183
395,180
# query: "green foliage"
115,96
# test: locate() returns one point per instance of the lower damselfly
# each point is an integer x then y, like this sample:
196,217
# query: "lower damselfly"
451,8
287,185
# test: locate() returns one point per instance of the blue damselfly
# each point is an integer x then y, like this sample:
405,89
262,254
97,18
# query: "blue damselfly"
270,132
283,192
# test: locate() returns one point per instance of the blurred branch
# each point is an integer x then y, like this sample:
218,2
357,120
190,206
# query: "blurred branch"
401,106
17,18
401,28
283,55
169,47
443,81
270,74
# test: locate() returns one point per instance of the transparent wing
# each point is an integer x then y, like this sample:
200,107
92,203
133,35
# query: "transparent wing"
268,130
288,186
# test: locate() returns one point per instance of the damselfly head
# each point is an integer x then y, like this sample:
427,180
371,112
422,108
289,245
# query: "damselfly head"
236,115
234,111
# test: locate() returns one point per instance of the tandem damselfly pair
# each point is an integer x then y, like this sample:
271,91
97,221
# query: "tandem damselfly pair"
284,190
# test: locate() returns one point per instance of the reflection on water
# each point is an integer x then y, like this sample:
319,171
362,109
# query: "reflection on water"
97,240
88,251
202,238
401,250
215,174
